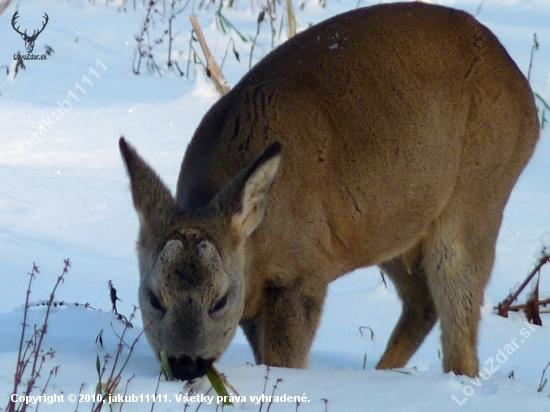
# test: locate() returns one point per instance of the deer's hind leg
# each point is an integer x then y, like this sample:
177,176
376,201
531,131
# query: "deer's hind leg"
458,259
417,318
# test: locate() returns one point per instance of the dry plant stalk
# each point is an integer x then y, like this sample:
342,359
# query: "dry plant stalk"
115,376
225,381
17,65
533,304
221,84
145,50
523,306
543,380
4,5
533,49
366,327
259,21
291,18
479,7
30,353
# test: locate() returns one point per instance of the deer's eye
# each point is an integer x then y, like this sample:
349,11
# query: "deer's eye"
155,302
219,305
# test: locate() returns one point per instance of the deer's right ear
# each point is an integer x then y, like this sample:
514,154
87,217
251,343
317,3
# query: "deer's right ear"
152,199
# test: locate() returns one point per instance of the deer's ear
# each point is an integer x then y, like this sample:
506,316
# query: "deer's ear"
152,199
243,200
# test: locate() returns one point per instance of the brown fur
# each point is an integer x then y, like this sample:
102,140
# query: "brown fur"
403,128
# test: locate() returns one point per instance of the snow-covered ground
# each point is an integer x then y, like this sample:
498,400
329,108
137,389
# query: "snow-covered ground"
64,193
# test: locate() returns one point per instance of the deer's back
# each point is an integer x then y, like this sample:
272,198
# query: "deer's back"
385,114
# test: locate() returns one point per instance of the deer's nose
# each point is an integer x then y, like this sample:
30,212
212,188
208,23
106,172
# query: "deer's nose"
185,368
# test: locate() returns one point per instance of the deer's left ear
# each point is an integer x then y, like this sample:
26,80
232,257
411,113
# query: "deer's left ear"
244,198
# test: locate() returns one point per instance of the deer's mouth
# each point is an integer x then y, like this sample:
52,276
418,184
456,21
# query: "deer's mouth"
186,368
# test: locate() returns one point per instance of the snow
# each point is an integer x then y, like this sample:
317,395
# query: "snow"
64,193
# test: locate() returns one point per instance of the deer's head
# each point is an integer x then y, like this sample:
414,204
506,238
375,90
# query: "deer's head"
192,281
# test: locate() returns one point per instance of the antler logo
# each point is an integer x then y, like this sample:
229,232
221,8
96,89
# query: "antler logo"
29,40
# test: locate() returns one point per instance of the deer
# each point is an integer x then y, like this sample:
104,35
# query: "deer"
389,135
29,40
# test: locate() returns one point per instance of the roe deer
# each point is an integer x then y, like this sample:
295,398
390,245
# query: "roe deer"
390,135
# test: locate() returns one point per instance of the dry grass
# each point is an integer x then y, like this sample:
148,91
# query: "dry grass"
31,358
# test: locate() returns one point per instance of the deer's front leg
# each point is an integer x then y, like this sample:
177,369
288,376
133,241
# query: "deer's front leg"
283,331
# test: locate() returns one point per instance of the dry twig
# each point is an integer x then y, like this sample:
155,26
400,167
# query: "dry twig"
222,86
506,305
